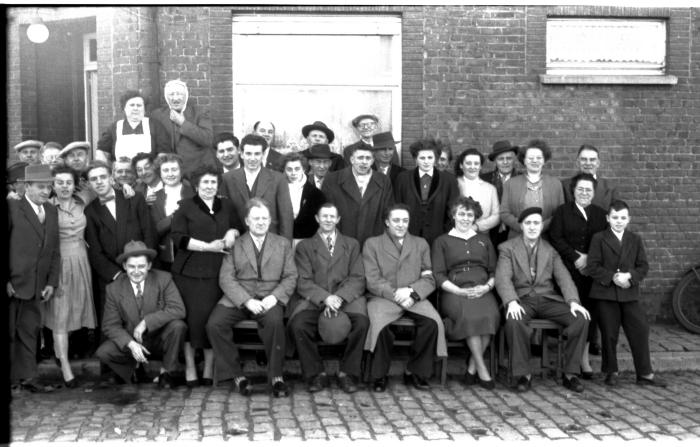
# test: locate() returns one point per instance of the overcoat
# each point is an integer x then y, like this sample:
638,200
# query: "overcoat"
305,224
393,173
163,223
386,270
605,192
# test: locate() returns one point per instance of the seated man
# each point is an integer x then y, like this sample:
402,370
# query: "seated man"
257,279
399,279
331,288
525,273
144,315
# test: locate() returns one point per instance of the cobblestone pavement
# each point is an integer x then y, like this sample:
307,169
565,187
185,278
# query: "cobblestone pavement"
549,412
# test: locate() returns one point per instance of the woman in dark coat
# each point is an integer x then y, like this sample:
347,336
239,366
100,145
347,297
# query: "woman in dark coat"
305,196
203,228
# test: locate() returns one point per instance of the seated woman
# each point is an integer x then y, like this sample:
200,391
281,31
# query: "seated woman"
464,264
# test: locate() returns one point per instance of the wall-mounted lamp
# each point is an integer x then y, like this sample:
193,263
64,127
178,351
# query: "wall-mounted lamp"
37,32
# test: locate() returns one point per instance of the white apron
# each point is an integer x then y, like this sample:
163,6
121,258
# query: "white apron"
130,145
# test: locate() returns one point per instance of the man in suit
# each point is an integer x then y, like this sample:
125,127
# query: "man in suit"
149,182
385,155
257,279
588,161
254,180
330,301
112,221
319,156
366,125
503,154
144,316
525,273
227,150
76,156
319,133
189,129
399,279
271,158
427,192
34,269
360,194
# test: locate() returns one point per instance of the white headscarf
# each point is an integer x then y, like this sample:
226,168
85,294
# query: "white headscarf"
173,85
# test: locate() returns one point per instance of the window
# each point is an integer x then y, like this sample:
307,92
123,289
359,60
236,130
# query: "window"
294,70
609,47
90,82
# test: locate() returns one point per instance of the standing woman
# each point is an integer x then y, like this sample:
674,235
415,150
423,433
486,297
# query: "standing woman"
167,201
72,306
306,197
533,189
464,265
203,228
467,169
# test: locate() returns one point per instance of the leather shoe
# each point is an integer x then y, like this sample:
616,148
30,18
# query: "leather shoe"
611,379
470,379
586,375
165,381
523,385
379,385
32,387
417,382
487,384
573,383
280,389
72,383
140,375
245,388
594,349
317,383
191,383
347,384
206,381
654,381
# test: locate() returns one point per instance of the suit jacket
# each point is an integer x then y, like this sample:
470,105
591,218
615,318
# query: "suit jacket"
271,186
34,255
162,303
321,274
305,224
361,216
393,173
274,160
513,279
106,237
432,218
495,179
194,220
386,269
162,223
607,255
337,161
241,280
571,232
192,140
513,201
605,193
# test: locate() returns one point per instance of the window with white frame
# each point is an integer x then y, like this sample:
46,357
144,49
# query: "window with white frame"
606,46
294,70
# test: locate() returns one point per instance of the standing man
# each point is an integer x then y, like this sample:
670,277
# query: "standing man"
319,133
331,302
227,152
240,185
257,279
149,182
123,172
384,155
189,130
144,315
319,156
76,155
34,269
399,280
360,194
503,155
29,151
588,160
525,274
271,158
366,125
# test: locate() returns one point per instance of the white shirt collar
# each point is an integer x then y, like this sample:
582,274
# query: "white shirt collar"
618,235
430,173
583,211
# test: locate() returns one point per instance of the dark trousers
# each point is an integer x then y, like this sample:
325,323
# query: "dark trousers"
518,333
632,318
303,329
24,324
422,349
165,343
220,332
583,286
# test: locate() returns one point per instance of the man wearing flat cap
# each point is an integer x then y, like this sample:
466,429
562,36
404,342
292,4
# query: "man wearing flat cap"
319,133
527,269
76,155
330,301
34,269
366,126
503,154
29,151
144,316
384,155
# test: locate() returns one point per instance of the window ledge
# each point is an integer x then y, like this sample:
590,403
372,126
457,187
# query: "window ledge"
609,79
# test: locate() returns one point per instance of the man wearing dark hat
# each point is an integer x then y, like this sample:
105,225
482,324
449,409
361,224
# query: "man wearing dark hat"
15,173
319,133
384,152
34,269
271,158
366,125
329,301
319,156
526,271
360,194
143,317
29,151
503,154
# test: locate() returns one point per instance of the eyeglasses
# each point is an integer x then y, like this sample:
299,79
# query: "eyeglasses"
366,125
584,190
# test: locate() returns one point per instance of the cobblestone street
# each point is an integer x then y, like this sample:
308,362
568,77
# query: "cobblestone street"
548,412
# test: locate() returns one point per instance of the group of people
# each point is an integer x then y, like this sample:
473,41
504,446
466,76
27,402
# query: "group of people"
182,235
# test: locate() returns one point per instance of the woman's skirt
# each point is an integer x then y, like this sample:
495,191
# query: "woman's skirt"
200,296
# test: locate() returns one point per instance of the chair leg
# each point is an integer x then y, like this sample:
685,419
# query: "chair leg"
544,361
560,360
443,371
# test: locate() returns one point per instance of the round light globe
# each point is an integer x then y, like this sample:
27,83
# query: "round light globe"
37,32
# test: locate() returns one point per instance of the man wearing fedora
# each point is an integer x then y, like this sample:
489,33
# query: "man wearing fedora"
319,156
366,125
29,151
34,269
503,154
319,133
384,155
15,186
143,317
271,158
329,301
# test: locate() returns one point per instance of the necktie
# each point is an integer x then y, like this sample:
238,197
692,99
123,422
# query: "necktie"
106,199
139,292
329,241
41,215
424,187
